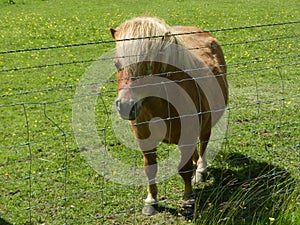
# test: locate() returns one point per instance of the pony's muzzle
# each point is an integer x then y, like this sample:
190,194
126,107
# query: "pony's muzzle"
128,110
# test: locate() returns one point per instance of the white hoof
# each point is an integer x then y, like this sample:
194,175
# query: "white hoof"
149,210
150,207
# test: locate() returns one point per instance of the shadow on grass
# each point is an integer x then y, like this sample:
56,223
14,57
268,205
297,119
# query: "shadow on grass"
4,222
245,192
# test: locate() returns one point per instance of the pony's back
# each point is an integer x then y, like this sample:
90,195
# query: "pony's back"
207,48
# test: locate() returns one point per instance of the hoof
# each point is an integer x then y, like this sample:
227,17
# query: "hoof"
187,209
149,210
199,177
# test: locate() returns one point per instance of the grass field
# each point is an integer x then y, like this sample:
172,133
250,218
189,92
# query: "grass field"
44,177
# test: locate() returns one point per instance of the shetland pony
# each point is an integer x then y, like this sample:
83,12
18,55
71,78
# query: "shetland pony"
172,88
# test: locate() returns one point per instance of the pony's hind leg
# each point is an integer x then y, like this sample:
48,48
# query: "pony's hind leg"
201,171
150,166
195,158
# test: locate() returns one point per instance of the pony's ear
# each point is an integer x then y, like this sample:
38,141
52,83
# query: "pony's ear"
113,33
167,36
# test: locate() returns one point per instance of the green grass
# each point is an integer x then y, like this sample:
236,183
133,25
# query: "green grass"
44,178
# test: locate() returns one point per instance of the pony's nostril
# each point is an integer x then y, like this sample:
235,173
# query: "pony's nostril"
118,105
127,110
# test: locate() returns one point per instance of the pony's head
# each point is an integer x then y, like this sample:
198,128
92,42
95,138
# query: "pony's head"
139,42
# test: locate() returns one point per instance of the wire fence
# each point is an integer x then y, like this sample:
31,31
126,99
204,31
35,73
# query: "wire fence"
45,175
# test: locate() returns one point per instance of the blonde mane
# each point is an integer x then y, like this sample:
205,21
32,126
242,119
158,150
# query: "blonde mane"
142,27
143,39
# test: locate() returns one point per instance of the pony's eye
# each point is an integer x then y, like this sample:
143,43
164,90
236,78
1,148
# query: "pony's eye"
118,65
133,78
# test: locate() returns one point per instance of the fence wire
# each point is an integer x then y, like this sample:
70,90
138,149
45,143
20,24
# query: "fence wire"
50,177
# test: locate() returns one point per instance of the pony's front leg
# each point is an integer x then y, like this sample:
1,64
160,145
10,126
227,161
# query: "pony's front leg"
186,172
150,166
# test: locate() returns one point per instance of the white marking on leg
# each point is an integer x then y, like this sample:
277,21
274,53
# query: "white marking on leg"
150,200
202,164
200,174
